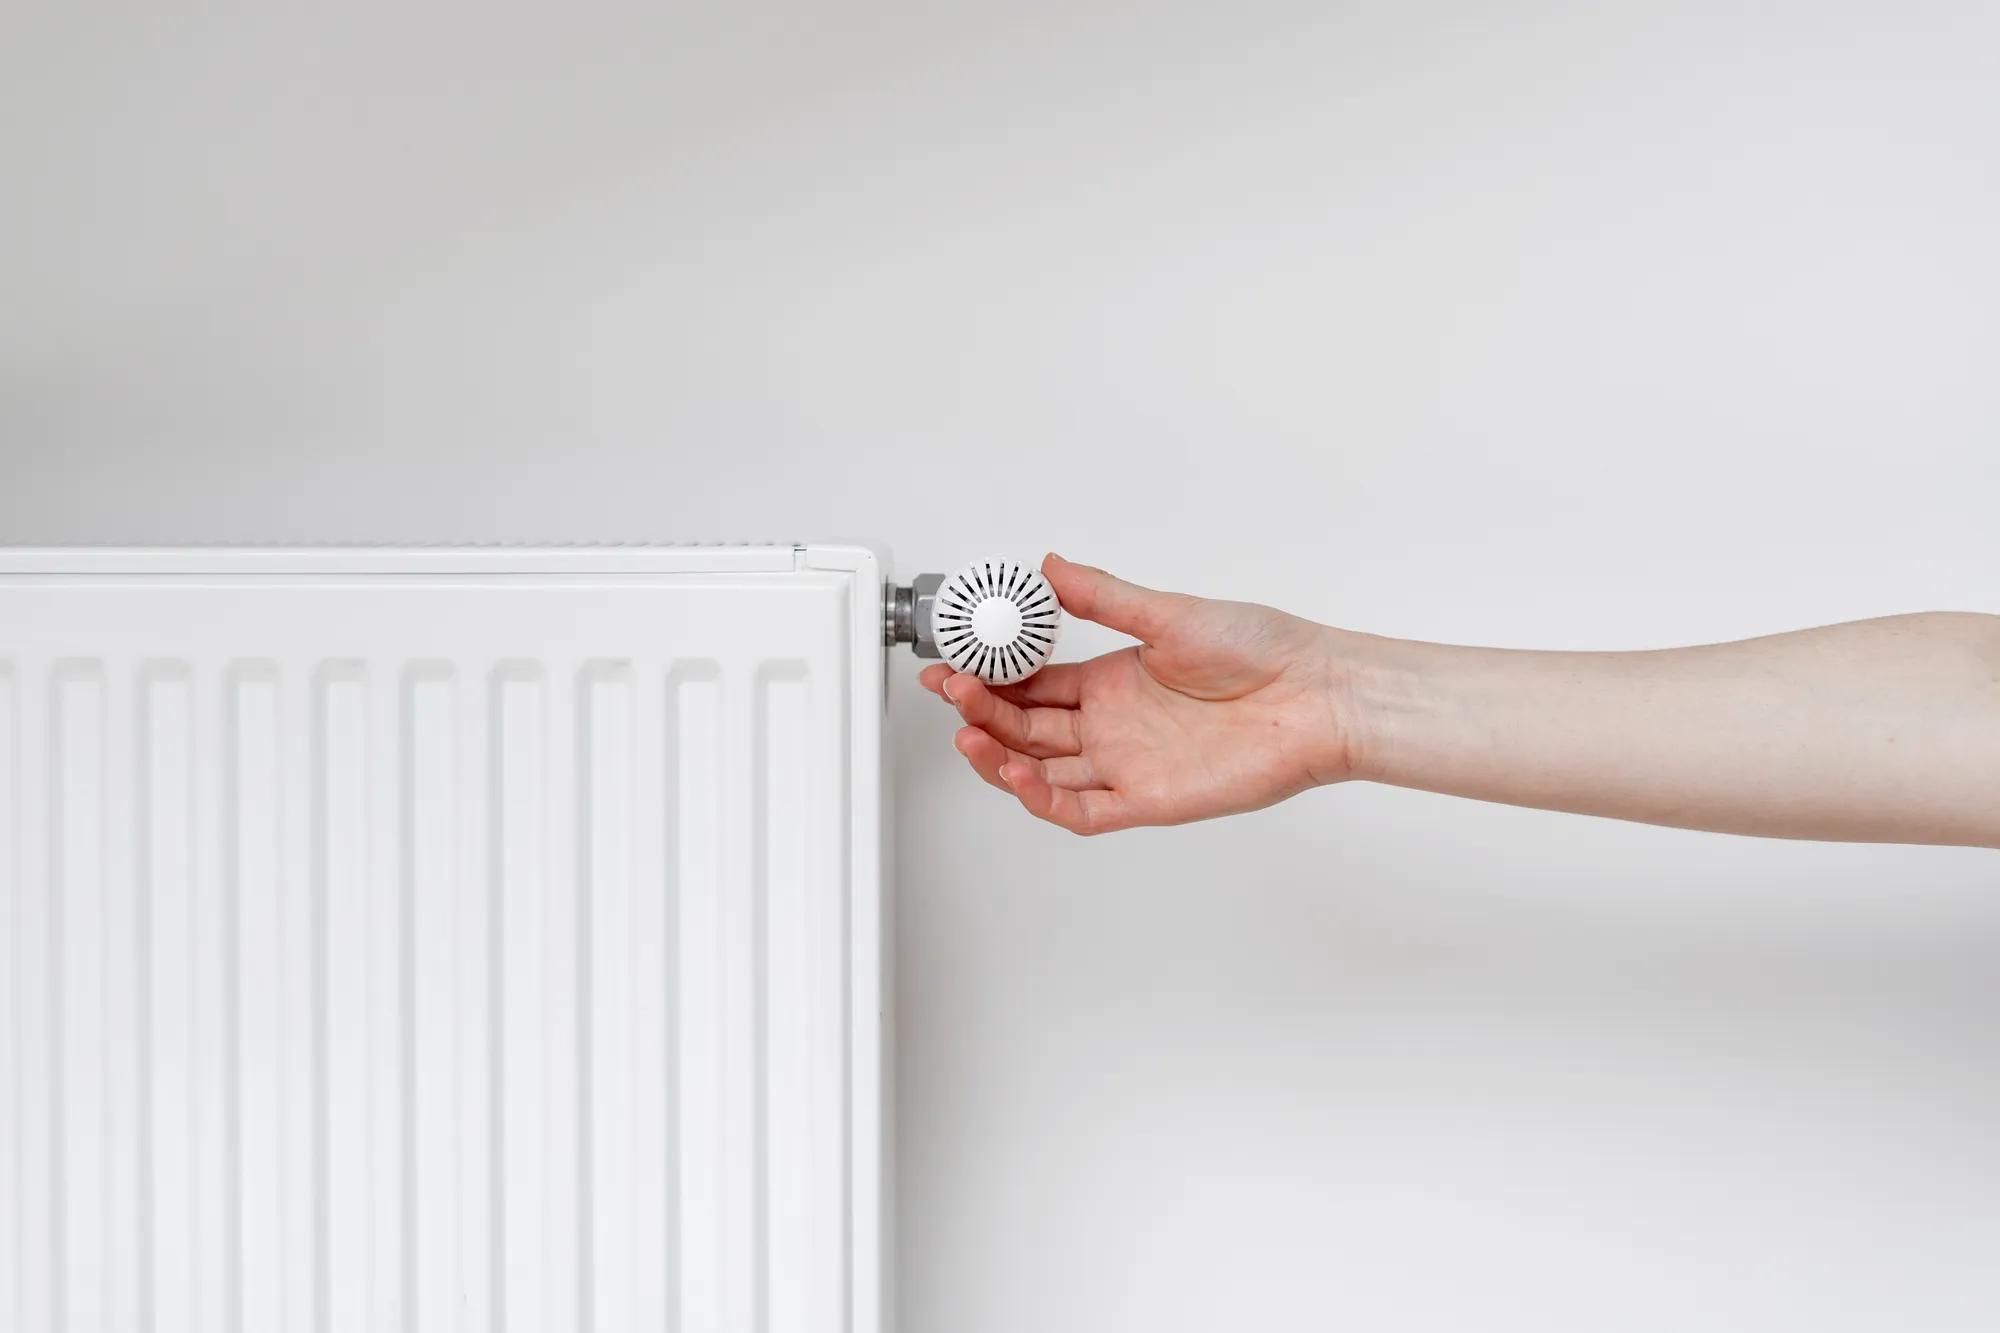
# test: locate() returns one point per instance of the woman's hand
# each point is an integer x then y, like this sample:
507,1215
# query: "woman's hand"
1879,731
1223,707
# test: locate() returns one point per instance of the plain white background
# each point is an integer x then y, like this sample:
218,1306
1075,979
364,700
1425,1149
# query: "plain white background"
1532,324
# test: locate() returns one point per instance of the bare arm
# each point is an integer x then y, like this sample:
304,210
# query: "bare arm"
1883,730
1878,731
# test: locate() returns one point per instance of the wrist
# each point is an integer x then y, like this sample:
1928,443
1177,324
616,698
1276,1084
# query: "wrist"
1370,682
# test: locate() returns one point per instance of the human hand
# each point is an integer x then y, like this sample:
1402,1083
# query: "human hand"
1223,707
1879,731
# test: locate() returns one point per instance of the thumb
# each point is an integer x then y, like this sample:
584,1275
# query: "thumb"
1092,594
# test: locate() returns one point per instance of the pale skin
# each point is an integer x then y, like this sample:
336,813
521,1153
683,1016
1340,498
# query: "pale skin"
1875,731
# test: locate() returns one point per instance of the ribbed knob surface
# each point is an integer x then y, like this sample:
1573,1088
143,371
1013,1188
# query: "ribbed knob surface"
997,619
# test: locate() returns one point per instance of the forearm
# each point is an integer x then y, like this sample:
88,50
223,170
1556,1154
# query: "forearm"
1882,730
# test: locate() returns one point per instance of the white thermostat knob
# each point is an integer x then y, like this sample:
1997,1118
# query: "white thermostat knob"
997,619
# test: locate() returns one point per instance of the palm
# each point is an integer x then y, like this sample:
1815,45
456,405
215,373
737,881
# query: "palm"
1225,708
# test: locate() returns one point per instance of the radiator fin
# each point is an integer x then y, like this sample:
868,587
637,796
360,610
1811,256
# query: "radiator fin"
438,994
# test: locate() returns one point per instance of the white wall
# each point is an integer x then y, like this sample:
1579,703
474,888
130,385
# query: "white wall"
1592,324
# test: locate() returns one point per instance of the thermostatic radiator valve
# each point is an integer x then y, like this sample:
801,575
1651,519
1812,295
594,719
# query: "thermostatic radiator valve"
996,618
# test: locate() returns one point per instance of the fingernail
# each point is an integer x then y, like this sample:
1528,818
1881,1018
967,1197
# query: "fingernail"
946,687
1010,774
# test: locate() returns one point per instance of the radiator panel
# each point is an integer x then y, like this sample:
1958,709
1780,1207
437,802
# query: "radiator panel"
440,952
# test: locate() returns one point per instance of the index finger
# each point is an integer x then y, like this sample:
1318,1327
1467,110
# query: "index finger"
1058,686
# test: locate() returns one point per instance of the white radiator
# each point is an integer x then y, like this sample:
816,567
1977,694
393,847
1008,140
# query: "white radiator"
442,939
